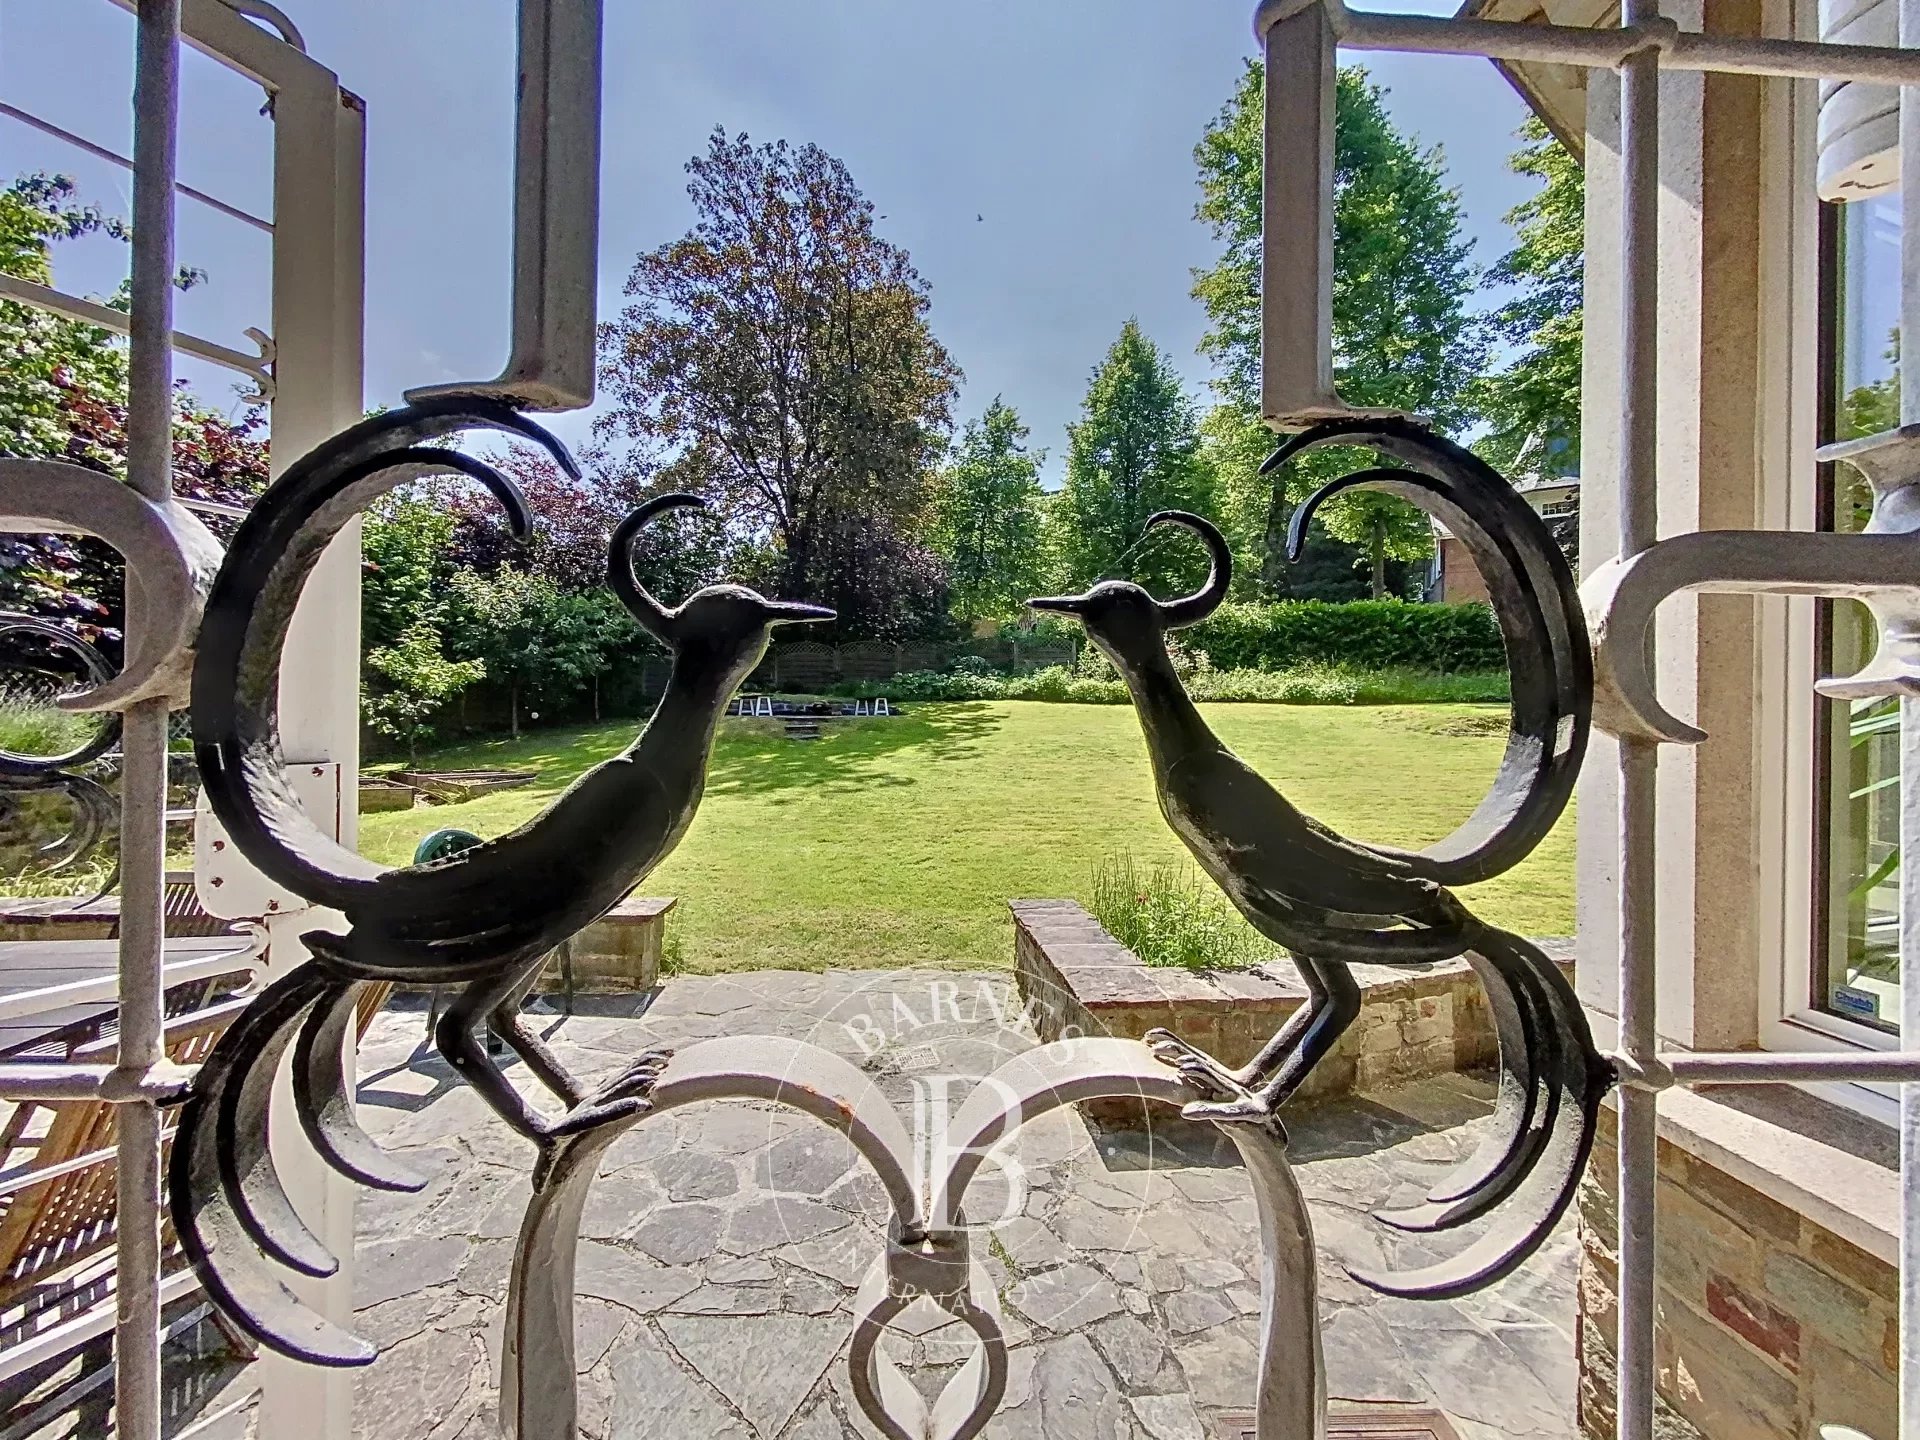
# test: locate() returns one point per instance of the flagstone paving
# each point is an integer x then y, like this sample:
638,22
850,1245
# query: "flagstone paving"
723,1243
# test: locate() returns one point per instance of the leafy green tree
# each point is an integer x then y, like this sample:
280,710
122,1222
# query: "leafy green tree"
988,518
543,644
1532,408
63,392
406,608
1135,450
416,682
778,358
1402,333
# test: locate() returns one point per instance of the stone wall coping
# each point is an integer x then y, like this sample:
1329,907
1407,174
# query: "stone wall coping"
1826,1164
1102,971
640,907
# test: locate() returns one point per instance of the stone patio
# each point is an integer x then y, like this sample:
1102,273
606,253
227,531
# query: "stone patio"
723,1243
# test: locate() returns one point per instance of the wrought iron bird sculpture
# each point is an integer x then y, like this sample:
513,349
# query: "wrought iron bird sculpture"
1331,901
483,920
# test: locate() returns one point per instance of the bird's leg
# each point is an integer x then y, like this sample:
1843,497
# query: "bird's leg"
505,1020
622,1097
1333,1003
457,1038
1205,1073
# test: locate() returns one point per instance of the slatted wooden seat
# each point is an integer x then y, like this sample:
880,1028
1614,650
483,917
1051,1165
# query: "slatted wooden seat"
57,1191
59,1204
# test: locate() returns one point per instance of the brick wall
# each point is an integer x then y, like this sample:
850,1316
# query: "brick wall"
1769,1325
1414,1021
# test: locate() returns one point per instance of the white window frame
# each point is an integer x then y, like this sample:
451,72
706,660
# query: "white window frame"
1786,815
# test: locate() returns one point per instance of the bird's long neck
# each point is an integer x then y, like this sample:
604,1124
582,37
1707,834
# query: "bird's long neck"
1172,723
688,716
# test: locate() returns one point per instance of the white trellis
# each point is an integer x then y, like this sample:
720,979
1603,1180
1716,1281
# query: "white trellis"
310,369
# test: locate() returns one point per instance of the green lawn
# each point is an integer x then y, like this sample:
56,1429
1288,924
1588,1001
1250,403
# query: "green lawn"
898,842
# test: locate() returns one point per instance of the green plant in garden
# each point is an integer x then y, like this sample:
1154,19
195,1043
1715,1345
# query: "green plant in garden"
29,725
1532,408
1360,634
988,518
1167,914
419,680
542,643
1134,450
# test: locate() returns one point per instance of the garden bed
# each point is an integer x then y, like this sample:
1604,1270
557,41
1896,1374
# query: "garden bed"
1414,1021
456,787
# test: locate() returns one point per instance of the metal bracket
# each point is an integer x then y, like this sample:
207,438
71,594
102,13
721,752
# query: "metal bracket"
1880,567
1296,256
556,215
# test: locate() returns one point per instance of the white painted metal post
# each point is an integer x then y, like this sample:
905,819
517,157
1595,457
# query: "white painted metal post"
1639,449
143,794
318,273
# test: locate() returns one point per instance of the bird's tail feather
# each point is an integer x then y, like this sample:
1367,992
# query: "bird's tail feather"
1539,1150
1537,603
225,1196
237,656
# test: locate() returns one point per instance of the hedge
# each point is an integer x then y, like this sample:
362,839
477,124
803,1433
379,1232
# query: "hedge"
1353,634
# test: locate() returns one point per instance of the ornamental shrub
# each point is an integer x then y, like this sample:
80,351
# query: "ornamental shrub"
1354,635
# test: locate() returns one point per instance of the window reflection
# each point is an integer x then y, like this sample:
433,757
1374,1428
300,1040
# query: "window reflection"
1859,741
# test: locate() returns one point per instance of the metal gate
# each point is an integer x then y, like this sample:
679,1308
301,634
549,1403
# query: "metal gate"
317,308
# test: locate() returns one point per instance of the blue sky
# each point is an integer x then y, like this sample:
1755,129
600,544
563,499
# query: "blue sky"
1068,127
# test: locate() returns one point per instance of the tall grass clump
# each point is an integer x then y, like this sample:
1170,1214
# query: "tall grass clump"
30,725
1167,913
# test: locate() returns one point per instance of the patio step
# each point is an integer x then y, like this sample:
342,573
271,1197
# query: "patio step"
802,729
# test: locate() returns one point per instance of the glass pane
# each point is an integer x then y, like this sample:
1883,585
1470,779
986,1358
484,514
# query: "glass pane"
1861,739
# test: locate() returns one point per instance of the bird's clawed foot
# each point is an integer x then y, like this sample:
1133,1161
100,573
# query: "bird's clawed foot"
1229,1100
623,1098
1197,1068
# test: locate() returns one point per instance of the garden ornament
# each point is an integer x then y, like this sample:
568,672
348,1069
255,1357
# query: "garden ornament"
482,919
1332,902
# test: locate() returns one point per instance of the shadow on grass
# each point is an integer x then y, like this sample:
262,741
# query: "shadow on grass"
757,759
749,757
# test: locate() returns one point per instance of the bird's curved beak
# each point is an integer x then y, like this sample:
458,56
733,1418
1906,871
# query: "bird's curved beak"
1064,604
792,612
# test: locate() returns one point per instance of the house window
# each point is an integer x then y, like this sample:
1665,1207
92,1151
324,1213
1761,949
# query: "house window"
1857,792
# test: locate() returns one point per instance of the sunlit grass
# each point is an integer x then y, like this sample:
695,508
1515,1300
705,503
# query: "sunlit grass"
899,841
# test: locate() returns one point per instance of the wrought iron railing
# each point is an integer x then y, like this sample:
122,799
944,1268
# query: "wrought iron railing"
482,918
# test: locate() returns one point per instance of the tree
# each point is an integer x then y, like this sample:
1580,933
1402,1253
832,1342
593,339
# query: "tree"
530,635
418,681
1402,333
63,394
989,518
1532,408
1134,451
778,358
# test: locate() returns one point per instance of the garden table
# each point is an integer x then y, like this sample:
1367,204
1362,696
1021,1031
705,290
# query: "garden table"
51,986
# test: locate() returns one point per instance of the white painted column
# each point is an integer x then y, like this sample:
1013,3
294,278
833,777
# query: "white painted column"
318,308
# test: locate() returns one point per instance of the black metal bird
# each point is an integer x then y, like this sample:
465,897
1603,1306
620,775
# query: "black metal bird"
1332,902
484,919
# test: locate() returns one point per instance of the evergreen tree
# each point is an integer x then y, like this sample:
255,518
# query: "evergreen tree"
1134,451
988,517
1402,334
1532,408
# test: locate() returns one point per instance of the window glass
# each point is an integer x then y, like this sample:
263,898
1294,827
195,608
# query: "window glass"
1857,745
